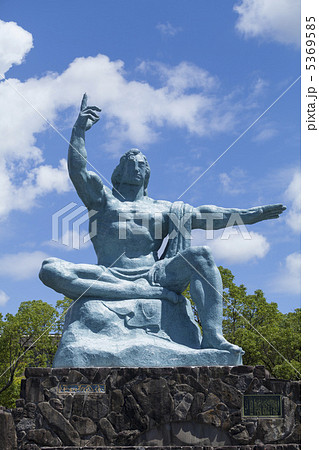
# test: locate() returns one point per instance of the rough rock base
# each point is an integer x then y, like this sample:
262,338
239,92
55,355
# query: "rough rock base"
193,447
135,333
198,407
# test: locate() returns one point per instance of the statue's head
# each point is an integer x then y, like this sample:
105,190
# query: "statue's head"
133,168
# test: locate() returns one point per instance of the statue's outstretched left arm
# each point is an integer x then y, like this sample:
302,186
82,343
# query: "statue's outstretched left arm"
212,217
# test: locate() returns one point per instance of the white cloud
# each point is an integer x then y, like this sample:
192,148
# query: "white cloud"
135,111
187,98
167,29
36,183
277,20
15,43
21,266
234,182
265,134
240,247
181,77
3,298
289,277
259,85
132,109
293,197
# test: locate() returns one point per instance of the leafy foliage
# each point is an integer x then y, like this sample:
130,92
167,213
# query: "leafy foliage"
12,393
62,306
29,338
24,341
268,337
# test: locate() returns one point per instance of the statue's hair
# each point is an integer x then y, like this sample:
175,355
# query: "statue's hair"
118,171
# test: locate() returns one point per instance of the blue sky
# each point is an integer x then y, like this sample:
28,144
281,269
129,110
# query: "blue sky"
180,80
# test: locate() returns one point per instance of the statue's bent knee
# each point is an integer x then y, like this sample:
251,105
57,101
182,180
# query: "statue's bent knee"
202,256
49,271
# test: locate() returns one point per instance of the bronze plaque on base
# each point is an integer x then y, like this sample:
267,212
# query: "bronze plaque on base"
262,405
81,388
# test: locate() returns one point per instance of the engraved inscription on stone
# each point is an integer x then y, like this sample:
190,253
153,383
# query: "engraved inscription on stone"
255,405
77,388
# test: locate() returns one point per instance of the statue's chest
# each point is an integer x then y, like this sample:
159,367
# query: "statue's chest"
126,220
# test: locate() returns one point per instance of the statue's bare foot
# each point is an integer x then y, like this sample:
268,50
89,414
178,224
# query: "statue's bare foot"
220,343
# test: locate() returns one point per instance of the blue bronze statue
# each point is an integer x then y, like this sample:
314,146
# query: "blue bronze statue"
128,309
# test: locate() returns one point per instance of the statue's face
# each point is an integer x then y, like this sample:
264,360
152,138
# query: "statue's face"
134,170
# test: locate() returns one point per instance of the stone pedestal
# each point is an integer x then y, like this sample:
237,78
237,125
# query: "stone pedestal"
8,436
198,407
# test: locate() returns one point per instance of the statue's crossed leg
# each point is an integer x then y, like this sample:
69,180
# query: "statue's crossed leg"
167,279
95,281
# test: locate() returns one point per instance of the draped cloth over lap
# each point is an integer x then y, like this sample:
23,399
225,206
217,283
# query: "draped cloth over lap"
180,227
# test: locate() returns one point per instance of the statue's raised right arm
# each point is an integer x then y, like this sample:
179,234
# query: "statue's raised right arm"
88,184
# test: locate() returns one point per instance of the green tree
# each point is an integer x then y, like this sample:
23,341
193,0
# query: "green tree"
25,340
62,307
267,336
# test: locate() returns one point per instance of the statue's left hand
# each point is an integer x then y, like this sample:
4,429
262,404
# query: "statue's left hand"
267,212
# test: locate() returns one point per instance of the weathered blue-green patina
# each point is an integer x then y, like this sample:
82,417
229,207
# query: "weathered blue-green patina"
128,309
